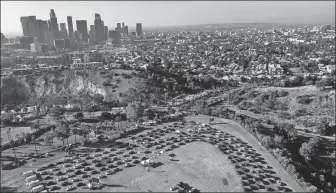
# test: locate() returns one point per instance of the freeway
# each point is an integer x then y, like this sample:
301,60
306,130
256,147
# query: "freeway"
235,129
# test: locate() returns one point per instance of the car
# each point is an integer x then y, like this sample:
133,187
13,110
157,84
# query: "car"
76,180
136,161
85,175
80,184
127,165
61,178
71,175
70,188
54,188
109,172
102,176
103,169
64,183
49,183
94,172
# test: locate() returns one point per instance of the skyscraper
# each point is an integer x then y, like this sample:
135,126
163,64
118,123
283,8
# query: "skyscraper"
63,27
53,21
92,32
99,27
29,26
82,28
33,26
119,27
122,27
25,26
70,26
49,37
105,32
138,29
43,27
126,30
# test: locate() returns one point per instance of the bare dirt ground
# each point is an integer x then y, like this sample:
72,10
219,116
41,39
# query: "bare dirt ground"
235,129
199,164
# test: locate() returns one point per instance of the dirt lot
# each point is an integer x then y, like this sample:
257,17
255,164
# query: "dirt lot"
199,164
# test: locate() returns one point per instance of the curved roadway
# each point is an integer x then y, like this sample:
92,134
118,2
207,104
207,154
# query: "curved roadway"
237,130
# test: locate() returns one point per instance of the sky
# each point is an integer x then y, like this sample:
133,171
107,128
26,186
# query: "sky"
168,13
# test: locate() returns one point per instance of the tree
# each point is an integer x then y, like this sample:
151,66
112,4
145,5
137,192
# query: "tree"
57,113
62,131
34,139
118,120
322,126
279,140
134,111
49,139
98,98
78,116
310,149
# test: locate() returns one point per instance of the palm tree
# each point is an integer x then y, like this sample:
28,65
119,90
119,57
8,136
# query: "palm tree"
11,141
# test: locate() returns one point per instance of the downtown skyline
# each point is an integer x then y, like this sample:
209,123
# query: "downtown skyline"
137,12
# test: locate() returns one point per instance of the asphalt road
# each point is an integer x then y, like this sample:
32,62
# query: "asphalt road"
235,129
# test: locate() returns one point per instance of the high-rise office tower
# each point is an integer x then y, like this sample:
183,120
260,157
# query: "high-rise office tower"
70,26
138,29
106,32
63,32
99,27
122,27
92,32
63,27
43,27
29,26
119,27
34,31
126,30
53,22
25,26
82,28
49,37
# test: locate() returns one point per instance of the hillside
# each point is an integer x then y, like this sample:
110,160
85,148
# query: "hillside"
303,106
21,88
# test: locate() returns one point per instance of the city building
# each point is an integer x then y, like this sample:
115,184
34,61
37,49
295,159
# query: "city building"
105,32
92,32
109,42
63,27
29,26
119,27
3,39
99,27
36,47
82,28
42,26
125,30
138,29
25,42
59,43
70,26
49,37
115,36
53,23
133,33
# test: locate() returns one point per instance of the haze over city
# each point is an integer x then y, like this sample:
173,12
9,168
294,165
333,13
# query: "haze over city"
168,13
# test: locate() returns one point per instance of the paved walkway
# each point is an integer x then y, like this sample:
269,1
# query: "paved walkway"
235,129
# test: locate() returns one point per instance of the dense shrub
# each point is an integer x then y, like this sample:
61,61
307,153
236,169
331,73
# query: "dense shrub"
284,115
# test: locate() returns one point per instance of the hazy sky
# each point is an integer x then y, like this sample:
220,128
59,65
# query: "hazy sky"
168,13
